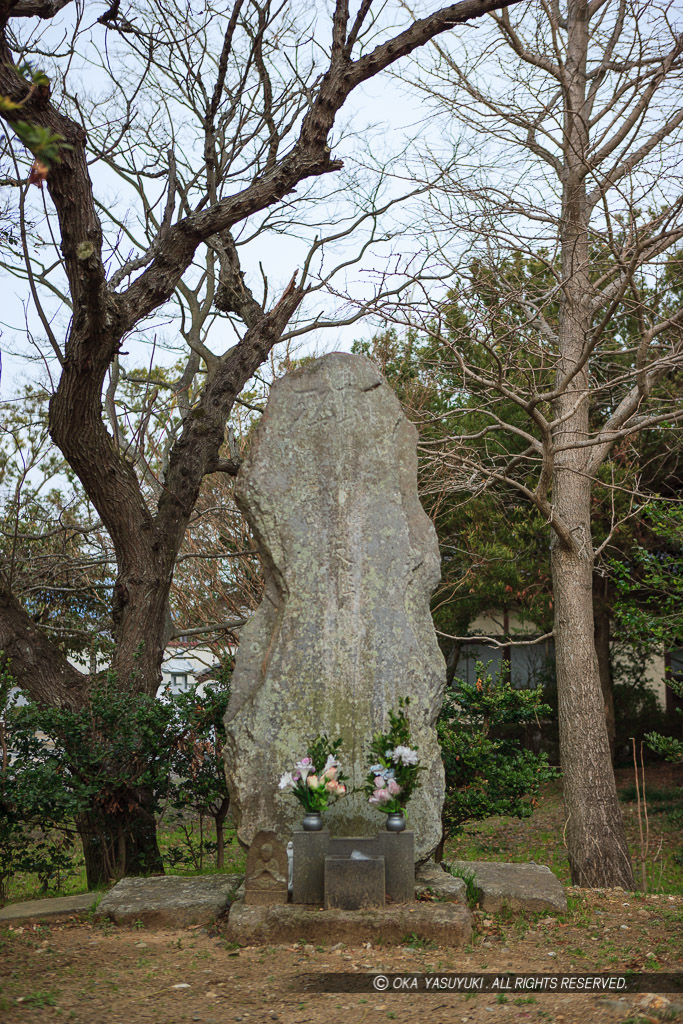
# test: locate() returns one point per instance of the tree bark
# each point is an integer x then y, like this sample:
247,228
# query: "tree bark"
597,847
219,820
598,852
119,844
602,652
452,661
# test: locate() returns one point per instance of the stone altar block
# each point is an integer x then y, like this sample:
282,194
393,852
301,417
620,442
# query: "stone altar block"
308,876
312,848
354,884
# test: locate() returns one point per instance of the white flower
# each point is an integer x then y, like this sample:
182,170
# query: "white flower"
286,780
404,755
305,766
331,762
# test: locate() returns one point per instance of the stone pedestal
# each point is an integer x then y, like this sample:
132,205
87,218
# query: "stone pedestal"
312,848
447,924
308,877
398,850
353,884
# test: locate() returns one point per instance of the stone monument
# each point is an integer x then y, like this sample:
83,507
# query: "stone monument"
344,629
265,882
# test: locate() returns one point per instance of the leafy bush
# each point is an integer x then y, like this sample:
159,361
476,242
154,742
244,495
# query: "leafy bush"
198,780
668,747
487,775
67,774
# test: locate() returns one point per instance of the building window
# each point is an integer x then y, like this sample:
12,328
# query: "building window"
528,665
178,682
470,654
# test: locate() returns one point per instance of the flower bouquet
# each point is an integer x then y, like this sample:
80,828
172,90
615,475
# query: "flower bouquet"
394,774
317,779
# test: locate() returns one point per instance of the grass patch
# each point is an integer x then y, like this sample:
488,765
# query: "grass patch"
539,838
40,998
474,893
414,941
659,798
173,837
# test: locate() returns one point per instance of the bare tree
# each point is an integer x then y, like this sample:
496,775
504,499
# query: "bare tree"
240,101
562,331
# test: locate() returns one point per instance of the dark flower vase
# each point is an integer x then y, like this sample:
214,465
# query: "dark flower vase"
313,821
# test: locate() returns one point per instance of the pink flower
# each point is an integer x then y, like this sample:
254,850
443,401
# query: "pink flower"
330,773
341,789
380,782
313,781
332,786
394,787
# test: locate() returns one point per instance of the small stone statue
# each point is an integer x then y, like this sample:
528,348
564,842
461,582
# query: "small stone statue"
267,871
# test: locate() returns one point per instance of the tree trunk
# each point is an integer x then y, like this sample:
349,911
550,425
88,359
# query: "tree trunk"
452,661
219,820
597,847
598,852
120,844
602,652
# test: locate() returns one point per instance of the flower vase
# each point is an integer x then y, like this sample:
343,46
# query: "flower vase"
396,821
313,821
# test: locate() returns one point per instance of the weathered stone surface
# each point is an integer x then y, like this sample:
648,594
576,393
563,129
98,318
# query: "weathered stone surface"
448,924
398,849
354,884
311,848
308,875
519,886
430,877
169,901
59,906
265,882
344,628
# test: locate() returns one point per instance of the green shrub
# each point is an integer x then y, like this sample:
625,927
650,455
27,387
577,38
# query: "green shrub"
488,775
66,774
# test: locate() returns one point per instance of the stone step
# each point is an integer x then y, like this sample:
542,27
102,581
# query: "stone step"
58,906
447,924
169,901
524,887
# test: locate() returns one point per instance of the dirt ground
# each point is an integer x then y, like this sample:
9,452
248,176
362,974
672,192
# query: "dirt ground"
100,974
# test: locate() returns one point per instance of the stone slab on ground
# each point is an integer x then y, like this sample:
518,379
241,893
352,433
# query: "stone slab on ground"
57,907
448,924
169,901
431,877
529,887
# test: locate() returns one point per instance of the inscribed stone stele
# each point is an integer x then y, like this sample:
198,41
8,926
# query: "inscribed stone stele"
344,629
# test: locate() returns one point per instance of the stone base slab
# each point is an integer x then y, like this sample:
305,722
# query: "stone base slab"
59,906
447,924
525,887
433,879
169,901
